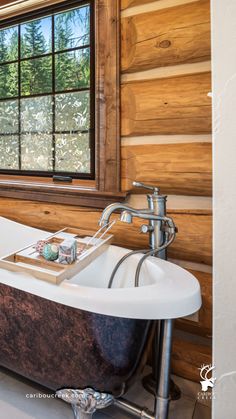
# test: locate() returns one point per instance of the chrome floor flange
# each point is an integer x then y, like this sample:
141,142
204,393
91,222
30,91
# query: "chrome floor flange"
85,402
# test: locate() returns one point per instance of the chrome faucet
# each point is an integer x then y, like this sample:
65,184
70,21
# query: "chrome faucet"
160,227
161,230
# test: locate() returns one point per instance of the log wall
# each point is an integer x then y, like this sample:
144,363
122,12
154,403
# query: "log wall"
166,129
166,140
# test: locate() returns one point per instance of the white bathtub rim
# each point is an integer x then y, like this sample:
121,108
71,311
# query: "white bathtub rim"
147,302
175,293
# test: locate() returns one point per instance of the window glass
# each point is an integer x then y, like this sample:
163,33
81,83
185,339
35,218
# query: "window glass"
72,29
46,101
9,44
36,38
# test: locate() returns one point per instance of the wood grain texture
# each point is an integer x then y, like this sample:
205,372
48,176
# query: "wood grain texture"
174,105
107,92
6,2
13,8
182,169
166,37
131,3
187,358
204,326
193,241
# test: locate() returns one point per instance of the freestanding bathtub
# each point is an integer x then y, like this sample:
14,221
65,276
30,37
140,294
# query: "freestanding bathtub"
81,334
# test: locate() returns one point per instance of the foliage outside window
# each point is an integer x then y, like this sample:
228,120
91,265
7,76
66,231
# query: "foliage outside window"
46,97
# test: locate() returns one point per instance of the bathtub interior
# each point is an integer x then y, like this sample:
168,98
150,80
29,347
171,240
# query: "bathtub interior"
17,236
98,273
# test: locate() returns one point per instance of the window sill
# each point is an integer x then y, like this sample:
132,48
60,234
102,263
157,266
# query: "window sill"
80,193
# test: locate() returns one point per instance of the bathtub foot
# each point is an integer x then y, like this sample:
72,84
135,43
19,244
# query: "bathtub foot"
85,402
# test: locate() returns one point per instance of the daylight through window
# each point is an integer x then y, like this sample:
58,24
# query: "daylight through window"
46,95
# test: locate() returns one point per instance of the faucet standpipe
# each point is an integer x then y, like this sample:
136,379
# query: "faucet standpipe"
162,233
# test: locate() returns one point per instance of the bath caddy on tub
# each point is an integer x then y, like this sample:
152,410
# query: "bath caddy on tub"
28,260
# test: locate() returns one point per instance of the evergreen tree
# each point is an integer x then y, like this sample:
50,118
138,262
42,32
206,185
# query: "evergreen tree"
3,47
4,70
63,33
82,69
36,73
65,61
33,42
12,82
72,68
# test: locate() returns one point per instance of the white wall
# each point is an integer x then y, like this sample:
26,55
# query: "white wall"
224,121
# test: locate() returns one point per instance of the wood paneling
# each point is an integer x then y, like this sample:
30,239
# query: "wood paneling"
166,37
176,168
193,240
187,358
107,93
9,2
14,8
174,105
131,3
204,326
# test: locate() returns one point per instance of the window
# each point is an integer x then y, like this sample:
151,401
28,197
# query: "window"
66,122
47,95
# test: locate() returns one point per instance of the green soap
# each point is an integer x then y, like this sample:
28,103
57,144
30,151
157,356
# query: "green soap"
50,252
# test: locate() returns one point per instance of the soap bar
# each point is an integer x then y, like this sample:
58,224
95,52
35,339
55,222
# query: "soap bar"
67,251
50,251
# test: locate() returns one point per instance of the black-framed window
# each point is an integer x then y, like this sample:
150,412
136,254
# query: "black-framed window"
47,93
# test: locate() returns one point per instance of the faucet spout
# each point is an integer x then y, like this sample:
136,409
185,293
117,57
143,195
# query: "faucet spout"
105,217
117,206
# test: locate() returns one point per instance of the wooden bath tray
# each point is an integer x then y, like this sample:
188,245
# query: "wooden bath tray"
28,260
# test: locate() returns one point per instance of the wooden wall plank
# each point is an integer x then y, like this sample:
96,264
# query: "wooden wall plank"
174,105
5,2
17,7
183,169
166,37
204,326
193,240
8,3
188,357
131,3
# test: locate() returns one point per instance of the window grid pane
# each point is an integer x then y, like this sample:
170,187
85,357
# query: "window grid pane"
51,124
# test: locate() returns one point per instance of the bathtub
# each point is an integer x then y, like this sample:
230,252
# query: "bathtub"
81,334
55,344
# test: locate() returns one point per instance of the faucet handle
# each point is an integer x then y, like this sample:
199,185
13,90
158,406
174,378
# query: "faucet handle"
155,189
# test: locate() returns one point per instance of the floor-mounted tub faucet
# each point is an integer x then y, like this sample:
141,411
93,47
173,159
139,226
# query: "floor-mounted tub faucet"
159,227
161,230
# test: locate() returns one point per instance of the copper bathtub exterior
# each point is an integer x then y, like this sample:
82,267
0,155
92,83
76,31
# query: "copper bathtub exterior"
62,347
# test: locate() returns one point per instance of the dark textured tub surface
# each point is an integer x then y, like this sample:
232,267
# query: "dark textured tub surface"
59,346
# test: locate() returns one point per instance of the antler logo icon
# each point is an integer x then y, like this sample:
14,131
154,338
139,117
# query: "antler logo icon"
206,381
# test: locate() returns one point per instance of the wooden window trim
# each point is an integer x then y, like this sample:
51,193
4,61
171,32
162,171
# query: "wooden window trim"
106,187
